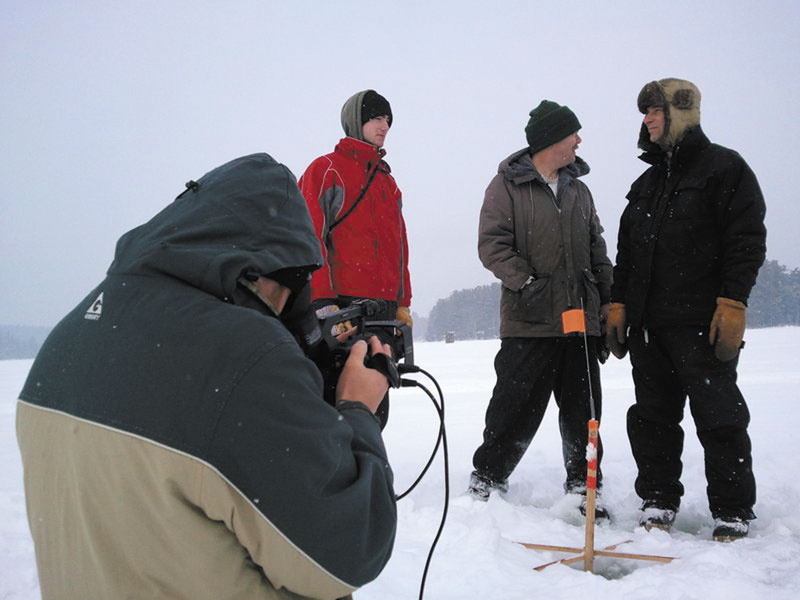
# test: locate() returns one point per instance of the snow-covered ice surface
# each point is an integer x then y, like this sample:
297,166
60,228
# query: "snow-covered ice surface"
477,556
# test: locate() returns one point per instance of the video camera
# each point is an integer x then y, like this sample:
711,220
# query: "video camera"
320,341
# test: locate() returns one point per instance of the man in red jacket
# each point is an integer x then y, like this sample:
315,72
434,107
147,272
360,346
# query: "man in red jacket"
356,209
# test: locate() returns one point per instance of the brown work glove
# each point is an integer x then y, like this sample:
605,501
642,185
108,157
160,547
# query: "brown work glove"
404,314
727,328
616,327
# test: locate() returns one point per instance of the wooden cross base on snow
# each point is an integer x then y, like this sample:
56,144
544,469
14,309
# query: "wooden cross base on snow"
588,557
587,553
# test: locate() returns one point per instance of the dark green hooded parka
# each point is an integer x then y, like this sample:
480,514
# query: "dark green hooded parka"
174,438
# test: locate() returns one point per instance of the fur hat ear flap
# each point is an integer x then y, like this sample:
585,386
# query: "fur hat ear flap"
684,99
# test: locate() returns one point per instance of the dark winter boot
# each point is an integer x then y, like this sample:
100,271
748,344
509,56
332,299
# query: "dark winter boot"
656,517
730,529
481,487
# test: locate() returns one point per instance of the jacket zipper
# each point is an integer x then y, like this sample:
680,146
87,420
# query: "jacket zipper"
567,269
663,198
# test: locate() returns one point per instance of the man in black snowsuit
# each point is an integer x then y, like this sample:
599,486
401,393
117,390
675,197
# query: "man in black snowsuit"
174,437
691,242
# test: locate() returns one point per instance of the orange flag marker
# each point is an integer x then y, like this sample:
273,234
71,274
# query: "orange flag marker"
573,321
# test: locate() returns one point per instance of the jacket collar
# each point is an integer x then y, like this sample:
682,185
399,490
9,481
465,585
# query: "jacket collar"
693,141
519,168
361,152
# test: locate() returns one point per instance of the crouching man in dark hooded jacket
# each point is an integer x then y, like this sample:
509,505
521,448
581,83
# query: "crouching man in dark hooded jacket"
173,434
691,242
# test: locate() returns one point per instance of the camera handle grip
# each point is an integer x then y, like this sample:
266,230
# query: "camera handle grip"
383,363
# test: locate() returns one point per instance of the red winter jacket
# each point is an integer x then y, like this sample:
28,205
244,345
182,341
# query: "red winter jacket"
366,255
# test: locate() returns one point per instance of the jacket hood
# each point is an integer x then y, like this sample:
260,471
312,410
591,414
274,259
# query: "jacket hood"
680,100
519,167
351,116
246,216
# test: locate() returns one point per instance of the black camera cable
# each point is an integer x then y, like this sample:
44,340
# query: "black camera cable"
441,439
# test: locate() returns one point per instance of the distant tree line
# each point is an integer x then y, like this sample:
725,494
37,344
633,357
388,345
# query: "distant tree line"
775,299
472,314
475,313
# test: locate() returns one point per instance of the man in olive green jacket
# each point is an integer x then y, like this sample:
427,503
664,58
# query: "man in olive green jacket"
540,235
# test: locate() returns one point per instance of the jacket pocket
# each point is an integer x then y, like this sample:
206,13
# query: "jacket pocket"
690,228
690,200
533,303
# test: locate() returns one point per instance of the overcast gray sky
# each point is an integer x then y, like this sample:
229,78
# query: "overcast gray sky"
108,107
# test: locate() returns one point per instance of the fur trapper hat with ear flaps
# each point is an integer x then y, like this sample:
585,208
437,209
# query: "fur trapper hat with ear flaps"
680,100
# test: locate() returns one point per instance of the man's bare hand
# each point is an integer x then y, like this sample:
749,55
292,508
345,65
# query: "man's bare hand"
358,383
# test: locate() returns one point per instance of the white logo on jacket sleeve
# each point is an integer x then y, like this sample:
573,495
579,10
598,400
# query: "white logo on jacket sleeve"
95,310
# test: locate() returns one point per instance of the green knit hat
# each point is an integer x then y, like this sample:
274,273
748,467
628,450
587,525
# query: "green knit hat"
549,123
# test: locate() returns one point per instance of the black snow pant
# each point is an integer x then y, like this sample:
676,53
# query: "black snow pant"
528,371
669,365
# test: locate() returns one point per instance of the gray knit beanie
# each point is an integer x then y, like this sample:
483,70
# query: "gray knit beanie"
549,123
